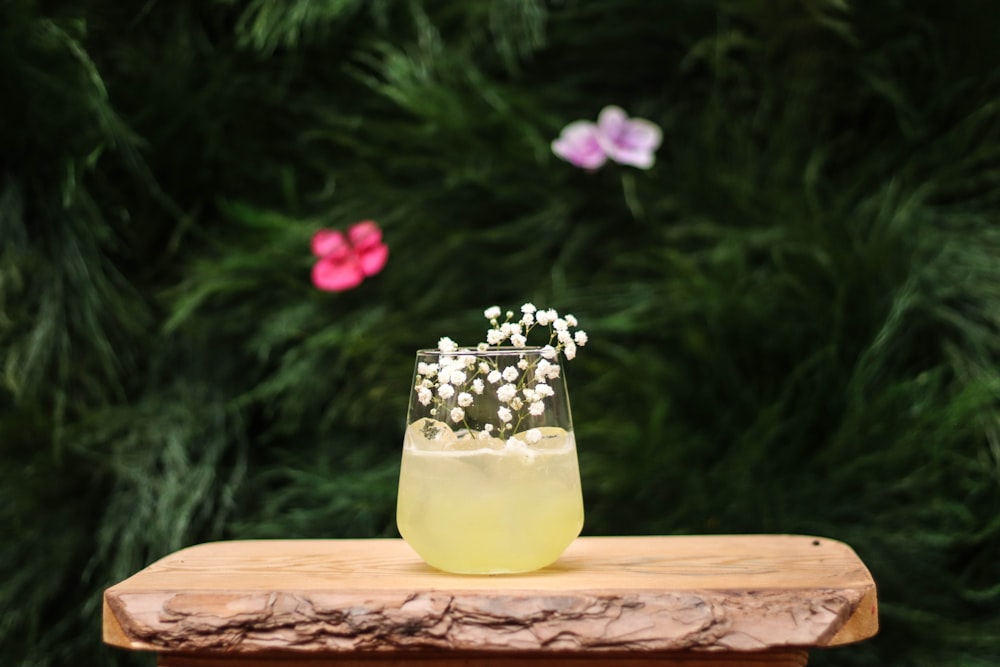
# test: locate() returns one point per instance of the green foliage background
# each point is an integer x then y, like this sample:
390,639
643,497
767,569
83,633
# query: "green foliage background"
794,316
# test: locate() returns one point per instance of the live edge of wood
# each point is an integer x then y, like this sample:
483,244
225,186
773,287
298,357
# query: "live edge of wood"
771,596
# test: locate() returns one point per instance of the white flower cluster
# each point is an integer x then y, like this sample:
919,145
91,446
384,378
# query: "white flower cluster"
450,386
516,331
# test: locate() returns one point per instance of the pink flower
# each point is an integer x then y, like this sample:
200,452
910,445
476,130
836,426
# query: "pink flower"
346,260
631,141
628,141
580,145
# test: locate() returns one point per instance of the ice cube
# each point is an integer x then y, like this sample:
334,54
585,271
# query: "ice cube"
550,438
430,435
470,441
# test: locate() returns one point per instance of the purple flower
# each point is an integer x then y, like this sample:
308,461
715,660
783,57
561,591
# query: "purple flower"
625,140
580,145
628,141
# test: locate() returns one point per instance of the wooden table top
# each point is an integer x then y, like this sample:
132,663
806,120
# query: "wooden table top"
718,593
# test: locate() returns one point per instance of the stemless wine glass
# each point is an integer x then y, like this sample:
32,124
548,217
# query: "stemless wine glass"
489,481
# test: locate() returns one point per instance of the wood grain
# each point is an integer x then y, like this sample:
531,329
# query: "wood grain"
769,658
742,594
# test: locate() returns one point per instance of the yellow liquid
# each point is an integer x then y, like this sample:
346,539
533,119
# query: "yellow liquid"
490,511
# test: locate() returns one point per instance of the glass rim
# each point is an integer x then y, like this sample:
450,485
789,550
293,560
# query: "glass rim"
493,351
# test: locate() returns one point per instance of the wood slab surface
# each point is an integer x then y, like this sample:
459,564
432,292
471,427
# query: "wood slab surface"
742,594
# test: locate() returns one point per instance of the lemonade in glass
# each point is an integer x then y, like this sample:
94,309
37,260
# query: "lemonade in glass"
489,481
489,508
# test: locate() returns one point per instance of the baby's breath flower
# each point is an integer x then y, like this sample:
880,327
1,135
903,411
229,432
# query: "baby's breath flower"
521,382
506,392
542,370
424,395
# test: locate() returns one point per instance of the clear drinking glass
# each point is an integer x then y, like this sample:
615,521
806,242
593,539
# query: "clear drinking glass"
489,481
